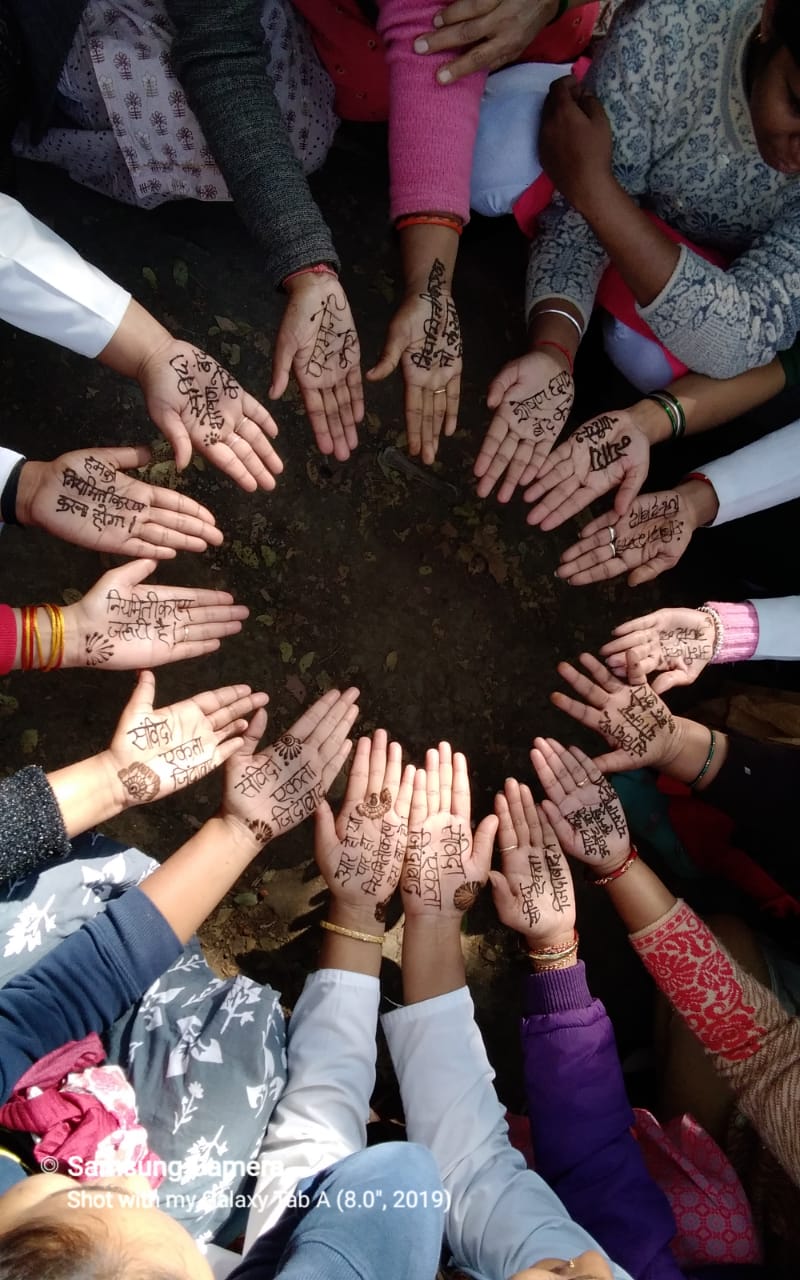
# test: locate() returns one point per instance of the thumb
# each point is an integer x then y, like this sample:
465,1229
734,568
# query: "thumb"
131,574
615,762
504,901
254,732
483,844
324,830
634,668
141,700
500,385
646,572
632,482
285,351
390,357
125,457
170,424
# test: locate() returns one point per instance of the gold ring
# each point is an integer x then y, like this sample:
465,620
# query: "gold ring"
580,781
441,392
508,846
185,634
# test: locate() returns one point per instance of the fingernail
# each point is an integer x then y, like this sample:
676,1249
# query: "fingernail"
443,76
420,46
438,20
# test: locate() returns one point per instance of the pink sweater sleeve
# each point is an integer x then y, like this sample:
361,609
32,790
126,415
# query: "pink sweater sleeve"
432,127
739,631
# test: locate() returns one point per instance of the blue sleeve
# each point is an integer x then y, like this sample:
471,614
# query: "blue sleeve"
581,1123
84,984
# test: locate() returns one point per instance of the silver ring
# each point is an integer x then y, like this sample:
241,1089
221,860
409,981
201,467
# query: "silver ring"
441,392
185,634
508,846
612,540
580,781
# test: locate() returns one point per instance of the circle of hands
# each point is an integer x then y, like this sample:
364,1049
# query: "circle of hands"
532,398
651,537
608,452
677,642
198,404
318,341
424,338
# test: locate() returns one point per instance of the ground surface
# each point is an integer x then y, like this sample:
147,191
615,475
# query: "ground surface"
443,609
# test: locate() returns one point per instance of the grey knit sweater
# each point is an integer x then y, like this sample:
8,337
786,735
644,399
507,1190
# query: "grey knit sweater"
31,827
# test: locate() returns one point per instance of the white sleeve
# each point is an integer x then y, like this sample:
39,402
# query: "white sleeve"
322,1114
8,461
502,1217
778,628
761,475
48,289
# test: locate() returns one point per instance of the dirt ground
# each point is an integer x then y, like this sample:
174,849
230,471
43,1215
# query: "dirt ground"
442,609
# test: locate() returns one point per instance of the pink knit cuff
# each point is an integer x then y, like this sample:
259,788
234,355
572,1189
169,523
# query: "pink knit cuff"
740,624
8,638
432,127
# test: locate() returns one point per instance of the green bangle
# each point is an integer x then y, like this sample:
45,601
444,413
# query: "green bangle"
711,749
563,5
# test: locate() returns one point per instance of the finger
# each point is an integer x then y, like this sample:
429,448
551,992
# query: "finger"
402,804
211,615
518,463
438,411
282,359
342,392
482,844
377,761
501,383
258,414
430,416
241,708
506,833
466,31
432,781
181,652
312,399
132,574
586,765
487,55
325,836
549,836
505,903
600,673
631,485
226,748
598,525
356,388
162,499
414,406
389,359
578,710
358,781
635,669
630,640
543,767
312,723
394,770
561,764
495,467
225,458
647,572
170,424
669,680
564,834
495,435
163,526
452,399
141,700
596,566
514,800
462,800
212,701
249,436
418,811
254,732
339,731
334,766
202,631
330,406
582,685
125,457
600,540
445,777
530,814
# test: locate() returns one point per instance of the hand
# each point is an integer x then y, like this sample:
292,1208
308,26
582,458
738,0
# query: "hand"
606,452
425,339
197,404
678,642
575,142
648,539
534,894
582,805
361,854
445,866
317,340
118,628
497,30
631,717
532,397
155,753
271,791
84,497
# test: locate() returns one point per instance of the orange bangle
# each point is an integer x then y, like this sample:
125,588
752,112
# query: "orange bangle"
26,641
548,342
428,220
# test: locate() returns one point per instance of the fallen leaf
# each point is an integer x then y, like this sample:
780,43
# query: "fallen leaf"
266,619
286,651
305,662
269,556
246,900
390,661
226,325
150,276
29,741
246,554
8,705
180,273
425,570
232,353
71,595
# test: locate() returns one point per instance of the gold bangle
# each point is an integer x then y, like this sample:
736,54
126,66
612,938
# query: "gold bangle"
351,933
553,957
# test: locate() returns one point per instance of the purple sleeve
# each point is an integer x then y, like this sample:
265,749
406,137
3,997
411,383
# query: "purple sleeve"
581,1122
432,127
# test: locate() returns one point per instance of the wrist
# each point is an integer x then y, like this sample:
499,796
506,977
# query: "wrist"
700,499
138,339
74,653
306,278
360,918
30,478
652,420
556,940
110,785
241,837
596,196
694,752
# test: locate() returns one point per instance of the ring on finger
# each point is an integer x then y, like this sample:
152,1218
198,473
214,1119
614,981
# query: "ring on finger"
612,538
581,781
185,633
442,391
507,848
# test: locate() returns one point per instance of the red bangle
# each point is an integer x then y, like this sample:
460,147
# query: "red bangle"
547,342
600,881
698,475
320,269
428,220
8,638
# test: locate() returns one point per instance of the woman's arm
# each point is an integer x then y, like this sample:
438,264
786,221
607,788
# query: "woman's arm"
219,58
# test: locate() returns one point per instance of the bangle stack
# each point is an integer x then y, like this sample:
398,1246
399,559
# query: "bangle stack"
352,933
450,221
673,409
712,746
719,630
31,639
546,958
602,881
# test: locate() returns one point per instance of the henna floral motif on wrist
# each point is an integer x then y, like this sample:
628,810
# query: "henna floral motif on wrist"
466,895
99,649
140,781
261,830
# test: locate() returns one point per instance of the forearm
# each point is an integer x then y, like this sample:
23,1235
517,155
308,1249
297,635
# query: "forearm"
423,246
433,963
352,955
555,325
695,749
643,255
31,824
639,897
195,879
87,793
138,337
709,402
